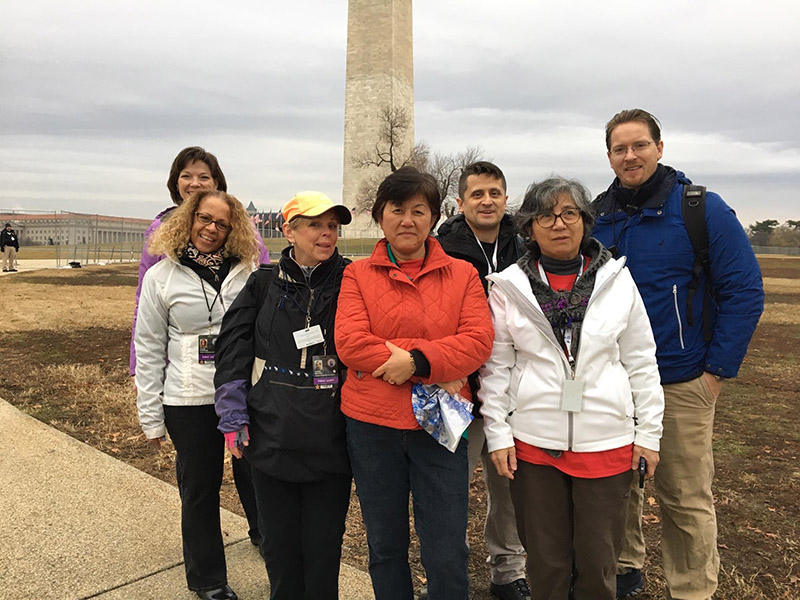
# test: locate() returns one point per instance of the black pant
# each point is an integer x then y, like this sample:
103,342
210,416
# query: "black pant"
302,525
200,447
243,479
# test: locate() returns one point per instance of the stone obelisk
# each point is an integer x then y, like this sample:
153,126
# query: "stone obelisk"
380,75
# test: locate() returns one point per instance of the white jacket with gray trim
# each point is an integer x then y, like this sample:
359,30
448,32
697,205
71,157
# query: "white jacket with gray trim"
521,383
172,314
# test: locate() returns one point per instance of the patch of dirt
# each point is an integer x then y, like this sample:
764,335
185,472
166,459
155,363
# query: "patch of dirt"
67,366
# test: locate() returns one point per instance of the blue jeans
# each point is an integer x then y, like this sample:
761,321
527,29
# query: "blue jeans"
388,464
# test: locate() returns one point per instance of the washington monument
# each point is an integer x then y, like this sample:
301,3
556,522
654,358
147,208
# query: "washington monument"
380,76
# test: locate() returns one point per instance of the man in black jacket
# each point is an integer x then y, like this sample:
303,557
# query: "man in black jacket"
483,235
9,244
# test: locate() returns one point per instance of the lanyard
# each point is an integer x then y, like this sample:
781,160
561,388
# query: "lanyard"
491,264
567,331
213,302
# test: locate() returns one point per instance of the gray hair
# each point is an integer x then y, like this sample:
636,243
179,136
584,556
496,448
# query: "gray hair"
541,197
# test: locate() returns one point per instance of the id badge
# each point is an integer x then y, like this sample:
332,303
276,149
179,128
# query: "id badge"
205,348
303,338
572,395
326,371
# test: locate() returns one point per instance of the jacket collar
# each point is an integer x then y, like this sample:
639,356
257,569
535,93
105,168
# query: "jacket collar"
435,257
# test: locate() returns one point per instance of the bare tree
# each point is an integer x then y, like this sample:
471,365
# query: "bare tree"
394,124
445,168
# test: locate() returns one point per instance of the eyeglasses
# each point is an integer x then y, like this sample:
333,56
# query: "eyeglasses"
206,219
569,216
637,148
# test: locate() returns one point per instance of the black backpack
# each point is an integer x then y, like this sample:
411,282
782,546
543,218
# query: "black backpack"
693,208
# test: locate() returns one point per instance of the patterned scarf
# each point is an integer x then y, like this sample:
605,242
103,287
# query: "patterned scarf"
212,260
567,308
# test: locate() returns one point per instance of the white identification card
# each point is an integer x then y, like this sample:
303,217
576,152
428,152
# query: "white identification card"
572,395
303,338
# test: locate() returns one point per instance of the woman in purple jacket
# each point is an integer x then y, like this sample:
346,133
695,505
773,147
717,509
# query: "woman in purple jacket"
193,170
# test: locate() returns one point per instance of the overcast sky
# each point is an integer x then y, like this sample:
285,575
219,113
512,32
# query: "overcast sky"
97,97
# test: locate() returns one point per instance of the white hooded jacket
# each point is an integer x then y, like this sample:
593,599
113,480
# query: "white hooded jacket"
173,313
521,383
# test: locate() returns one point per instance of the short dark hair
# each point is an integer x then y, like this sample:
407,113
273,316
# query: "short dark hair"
403,184
482,167
186,157
634,114
541,197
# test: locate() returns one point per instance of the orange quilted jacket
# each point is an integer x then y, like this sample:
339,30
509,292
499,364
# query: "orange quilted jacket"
443,313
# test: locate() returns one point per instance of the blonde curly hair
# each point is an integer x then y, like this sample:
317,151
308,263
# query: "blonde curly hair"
173,235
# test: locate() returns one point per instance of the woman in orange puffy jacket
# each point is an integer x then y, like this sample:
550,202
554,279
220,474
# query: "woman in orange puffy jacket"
409,313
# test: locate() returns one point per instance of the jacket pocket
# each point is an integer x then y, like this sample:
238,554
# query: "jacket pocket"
678,315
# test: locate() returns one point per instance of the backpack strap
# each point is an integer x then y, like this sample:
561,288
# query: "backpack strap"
693,207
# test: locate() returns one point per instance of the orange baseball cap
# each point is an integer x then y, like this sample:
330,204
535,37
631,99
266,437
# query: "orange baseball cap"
313,204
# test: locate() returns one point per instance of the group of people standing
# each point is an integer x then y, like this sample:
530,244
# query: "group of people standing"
592,365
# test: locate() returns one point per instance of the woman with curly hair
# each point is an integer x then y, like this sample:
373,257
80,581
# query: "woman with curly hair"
194,169
210,249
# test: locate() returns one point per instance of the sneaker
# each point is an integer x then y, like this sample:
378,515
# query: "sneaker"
516,590
629,584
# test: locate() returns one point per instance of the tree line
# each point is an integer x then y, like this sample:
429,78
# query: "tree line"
771,233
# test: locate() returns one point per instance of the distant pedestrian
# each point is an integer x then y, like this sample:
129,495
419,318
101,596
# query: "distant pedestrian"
9,245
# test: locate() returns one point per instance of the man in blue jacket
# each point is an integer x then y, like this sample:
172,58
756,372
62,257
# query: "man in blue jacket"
640,217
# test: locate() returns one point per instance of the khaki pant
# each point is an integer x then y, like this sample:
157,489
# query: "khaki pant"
683,487
506,554
9,258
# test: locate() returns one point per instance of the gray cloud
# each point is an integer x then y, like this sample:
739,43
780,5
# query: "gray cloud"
98,96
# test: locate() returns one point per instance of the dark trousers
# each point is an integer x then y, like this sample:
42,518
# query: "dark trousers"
199,446
388,464
572,529
302,525
243,479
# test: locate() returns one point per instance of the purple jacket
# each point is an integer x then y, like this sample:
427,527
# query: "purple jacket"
148,260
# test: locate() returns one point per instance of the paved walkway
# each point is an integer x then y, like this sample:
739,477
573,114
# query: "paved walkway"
76,524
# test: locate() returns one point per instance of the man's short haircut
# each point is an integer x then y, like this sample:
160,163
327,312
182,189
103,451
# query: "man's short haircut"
630,115
186,157
482,167
540,199
404,184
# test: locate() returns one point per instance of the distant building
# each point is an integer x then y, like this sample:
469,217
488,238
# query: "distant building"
68,228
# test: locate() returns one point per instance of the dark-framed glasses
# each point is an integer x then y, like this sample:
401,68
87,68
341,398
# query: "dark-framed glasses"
637,148
569,216
206,219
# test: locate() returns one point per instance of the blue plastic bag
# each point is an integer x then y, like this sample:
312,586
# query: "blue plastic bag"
442,415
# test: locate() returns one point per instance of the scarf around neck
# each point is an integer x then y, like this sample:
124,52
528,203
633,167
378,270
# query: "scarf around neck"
212,260
566,309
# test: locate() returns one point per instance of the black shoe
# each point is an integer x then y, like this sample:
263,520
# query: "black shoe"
12,270
223,593
629,584
516,590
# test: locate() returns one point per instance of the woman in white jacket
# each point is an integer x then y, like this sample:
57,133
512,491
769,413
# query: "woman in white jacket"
210,249
571,394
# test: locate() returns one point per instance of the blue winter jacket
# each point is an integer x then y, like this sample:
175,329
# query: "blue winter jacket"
660,258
